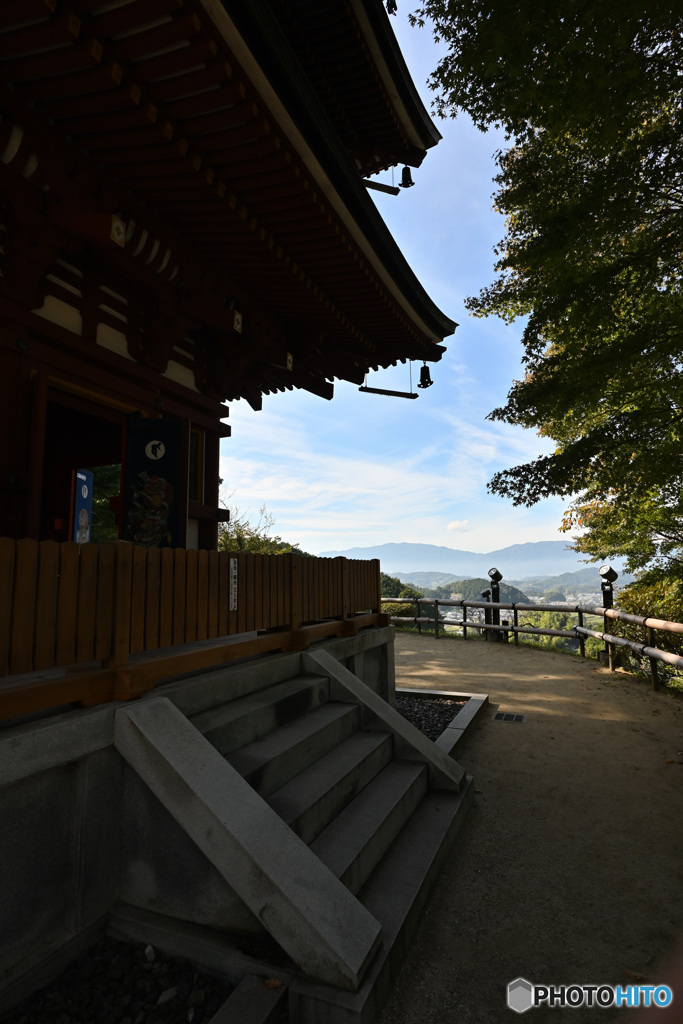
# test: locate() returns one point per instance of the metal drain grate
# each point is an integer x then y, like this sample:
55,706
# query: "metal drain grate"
507,716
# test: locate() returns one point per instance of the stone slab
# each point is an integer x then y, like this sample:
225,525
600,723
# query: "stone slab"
201,691
315,919
397,892
409,743
452,738
309,802
209,948
353,844
51,742
245,719
269,762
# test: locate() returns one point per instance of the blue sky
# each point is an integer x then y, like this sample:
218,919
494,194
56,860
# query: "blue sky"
365,469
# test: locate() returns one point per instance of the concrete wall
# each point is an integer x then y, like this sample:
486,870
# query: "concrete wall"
164,871
371,662
81,833
61,789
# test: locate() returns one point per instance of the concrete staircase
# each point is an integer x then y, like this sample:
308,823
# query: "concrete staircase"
326,813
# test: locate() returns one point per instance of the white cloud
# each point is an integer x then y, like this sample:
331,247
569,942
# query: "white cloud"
365,469
329,489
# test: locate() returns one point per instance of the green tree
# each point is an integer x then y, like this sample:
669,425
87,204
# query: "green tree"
550,620
595,264
659,601
553,66
240,534
392,587
106,485
471,590
647,529
591,98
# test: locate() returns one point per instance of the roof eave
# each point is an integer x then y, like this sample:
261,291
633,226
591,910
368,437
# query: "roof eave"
309,129
382,42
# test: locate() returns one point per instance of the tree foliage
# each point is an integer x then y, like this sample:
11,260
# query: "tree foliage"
471,590
568,65
645,528
591,99
550,620
659,601
392,587
106,485
241,534
594,261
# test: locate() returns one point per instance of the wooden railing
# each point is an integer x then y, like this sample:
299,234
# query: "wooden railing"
64,605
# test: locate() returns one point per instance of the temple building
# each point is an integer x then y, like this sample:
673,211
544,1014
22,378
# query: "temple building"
199,751
184,222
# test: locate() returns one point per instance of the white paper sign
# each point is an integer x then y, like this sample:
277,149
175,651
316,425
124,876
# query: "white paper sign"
233,585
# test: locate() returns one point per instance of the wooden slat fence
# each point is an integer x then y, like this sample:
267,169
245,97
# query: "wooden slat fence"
63,605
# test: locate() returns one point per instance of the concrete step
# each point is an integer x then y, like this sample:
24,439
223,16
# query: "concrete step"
309,801
353,844
381,823
236,723
396,894
378,823
205,690
269,762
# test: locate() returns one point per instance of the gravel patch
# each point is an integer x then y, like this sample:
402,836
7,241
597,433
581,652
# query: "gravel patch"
117,983
431,715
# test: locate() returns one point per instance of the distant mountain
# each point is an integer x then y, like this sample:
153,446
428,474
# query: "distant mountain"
518,561
427,579
583,581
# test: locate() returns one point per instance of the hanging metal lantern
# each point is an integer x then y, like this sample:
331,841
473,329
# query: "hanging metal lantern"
406,178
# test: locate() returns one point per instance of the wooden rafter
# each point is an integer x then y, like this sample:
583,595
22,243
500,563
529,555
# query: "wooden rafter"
194,162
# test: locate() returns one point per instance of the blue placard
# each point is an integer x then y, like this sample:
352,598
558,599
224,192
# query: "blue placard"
83,484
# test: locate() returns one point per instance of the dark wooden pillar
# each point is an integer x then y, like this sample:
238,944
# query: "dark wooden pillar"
16,471
36,455
208,528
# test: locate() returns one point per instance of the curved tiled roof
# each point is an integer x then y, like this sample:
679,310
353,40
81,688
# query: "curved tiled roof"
195,123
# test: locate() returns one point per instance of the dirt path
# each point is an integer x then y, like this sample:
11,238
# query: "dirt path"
569,868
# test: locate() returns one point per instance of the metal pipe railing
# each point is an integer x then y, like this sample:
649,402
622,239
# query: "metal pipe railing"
642,649
580,632
635,620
